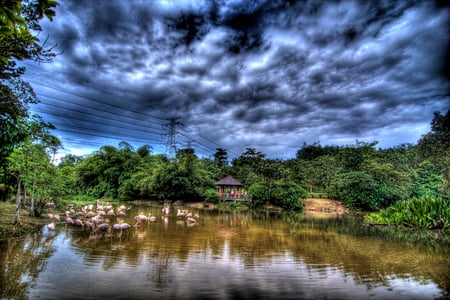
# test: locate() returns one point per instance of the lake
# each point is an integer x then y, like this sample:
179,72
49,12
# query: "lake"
223,255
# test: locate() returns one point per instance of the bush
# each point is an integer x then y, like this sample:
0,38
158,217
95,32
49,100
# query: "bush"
260,194
425,212
287,195
355,190
211,195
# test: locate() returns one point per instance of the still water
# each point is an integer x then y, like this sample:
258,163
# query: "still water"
224,255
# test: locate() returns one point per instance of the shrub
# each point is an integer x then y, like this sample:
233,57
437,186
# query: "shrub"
211,195
260,194
425,212
287,195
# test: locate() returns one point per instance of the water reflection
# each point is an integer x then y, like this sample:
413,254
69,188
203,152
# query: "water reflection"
21,261
222,255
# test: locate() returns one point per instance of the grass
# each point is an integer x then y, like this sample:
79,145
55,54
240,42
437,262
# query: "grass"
27,222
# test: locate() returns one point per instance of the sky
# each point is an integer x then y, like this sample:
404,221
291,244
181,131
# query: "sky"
269,75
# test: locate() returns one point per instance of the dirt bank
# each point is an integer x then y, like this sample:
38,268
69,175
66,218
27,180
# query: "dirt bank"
324,207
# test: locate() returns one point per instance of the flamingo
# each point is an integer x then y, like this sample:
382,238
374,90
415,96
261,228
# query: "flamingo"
89,224
140,219
125,226
51,226
103,227
166,210
121,226
69,220
79,222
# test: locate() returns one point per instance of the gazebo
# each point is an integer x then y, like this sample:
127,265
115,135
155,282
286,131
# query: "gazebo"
230,188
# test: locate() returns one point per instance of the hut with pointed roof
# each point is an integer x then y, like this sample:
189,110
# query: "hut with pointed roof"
230,188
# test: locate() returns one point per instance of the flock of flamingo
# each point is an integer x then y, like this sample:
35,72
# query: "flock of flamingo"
98,217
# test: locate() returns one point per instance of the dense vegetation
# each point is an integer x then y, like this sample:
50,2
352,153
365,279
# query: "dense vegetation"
360,175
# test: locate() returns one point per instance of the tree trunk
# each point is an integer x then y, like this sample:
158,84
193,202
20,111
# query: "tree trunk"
16,217
24,200
32,195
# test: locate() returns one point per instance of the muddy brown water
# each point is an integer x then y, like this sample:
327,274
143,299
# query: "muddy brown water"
224,255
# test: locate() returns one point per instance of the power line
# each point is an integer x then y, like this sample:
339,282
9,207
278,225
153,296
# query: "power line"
98,101
217,146
105,136
86,106
92,116
171,143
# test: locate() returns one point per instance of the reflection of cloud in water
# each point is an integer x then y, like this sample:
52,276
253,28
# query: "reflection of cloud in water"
231,256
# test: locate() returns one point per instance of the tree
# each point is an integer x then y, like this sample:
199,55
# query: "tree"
18,21
270,171
16,95
371,187
352,157
19,29
26,158
247,163
287,194
144,151
221,157
435,147
183,178
311,152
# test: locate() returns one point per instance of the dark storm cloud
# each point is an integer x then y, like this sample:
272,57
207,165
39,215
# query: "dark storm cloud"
264,74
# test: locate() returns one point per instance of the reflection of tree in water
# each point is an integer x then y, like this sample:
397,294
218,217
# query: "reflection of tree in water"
110,250
162,261
21,261
340,244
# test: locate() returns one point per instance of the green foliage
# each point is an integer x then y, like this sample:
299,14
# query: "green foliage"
427,181
359,175
425,212
435,147
182,179
18,21
287,194
314,151
260,194
211,195
284,193
356,190
221,157
247,164
353,157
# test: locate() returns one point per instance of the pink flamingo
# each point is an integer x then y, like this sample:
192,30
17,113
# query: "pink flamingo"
103,227
51,226
140,219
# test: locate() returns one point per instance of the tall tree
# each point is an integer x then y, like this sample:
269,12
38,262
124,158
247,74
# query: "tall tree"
19,31
221,157
435,147
30,156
